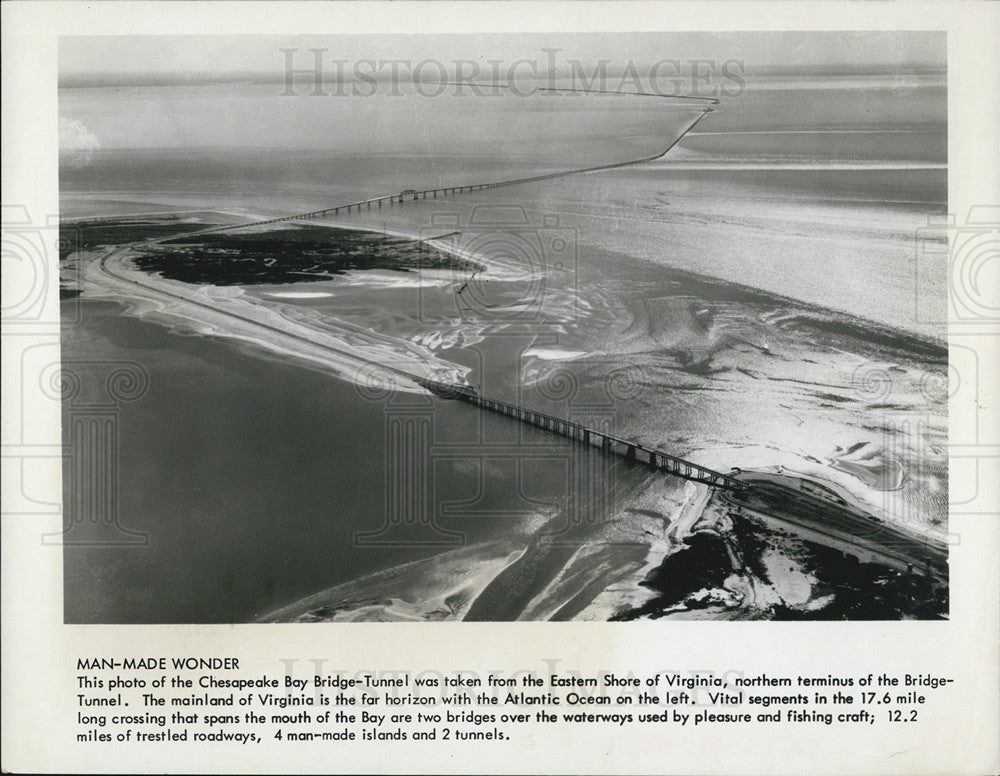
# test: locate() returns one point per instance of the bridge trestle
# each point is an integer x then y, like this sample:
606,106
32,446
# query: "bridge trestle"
655,460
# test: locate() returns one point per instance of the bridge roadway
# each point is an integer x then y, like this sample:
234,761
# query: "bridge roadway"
412,195
825,517
657,460
633,452
820,513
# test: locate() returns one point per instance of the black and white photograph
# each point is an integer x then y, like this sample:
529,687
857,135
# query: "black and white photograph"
490,327
500,387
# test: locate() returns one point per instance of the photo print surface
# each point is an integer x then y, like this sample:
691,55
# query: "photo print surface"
495,327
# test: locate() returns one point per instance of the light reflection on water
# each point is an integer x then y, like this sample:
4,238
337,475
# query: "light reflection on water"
267,471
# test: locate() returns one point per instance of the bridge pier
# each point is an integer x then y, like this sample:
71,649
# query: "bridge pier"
655,460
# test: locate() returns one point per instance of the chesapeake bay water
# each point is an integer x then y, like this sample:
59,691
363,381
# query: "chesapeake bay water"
747,301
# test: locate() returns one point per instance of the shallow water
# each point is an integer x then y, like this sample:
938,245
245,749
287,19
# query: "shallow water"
747,301
259,481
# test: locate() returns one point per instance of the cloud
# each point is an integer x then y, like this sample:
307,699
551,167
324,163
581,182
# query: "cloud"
77,144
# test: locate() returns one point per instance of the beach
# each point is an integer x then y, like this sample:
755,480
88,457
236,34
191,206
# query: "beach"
746,302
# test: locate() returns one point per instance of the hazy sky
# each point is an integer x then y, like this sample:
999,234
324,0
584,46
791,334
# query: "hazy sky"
203,108
112,59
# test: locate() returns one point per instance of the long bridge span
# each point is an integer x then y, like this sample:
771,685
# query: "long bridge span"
784,502
700,105
633,452
815,512
656,460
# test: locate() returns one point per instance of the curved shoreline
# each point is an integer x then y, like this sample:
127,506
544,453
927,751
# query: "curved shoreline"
277,326
348,363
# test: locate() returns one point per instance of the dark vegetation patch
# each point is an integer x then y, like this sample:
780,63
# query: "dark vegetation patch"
295,255
87,235
702,564
753,539
867,591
